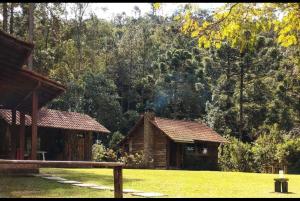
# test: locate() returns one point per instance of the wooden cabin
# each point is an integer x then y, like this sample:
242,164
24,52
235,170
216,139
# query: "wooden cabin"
27,130
173,144
64,136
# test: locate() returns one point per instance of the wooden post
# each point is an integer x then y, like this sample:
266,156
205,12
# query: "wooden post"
118,182
34,116
13,134
88,146
22,135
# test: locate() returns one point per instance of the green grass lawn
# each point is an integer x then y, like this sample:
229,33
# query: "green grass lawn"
174,183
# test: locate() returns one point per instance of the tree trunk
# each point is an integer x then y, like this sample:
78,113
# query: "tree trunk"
4,17
241,102
30,32
11,23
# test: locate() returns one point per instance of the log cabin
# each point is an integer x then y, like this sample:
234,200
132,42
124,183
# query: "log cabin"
173,144
23,94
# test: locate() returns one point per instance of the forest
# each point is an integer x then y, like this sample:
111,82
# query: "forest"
114,70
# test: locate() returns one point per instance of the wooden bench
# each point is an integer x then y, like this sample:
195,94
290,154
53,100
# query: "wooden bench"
117,168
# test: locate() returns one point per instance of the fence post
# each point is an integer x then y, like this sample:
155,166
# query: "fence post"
118,182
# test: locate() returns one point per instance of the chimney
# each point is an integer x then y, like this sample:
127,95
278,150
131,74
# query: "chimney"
149,115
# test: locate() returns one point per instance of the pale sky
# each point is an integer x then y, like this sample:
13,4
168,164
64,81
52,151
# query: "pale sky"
116,8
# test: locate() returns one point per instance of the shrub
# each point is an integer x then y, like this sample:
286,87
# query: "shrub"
236,156
101,153
288,152
266,147
134,160
116,137
98,151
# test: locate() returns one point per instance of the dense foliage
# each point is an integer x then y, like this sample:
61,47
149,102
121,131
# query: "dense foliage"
272,148
115,69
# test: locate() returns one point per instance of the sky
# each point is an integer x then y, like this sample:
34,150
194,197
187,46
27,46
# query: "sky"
114,8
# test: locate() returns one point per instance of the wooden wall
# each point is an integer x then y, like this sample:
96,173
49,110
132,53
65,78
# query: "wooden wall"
137,140
159,154
160,150
78,146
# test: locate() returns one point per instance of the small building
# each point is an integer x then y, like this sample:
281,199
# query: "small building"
27,130
173,144
62,135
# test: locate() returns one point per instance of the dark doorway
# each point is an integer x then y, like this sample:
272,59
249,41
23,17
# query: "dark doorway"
173,151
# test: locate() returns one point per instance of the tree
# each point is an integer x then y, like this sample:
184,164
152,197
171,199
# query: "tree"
79,11
31,31
5,18
11,19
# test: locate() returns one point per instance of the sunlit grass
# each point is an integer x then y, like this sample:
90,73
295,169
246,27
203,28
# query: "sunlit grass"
178,183
174,183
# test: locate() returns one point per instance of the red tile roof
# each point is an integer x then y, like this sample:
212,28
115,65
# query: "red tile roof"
187,131
59,119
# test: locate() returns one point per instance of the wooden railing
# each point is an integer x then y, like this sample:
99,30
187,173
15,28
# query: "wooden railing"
117,167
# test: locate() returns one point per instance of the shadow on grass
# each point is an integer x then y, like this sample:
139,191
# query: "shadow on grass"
14,187
282,193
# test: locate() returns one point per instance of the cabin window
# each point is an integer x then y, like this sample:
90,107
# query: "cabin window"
202,149
190,148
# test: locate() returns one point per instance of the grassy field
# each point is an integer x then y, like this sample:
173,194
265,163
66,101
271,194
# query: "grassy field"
174,183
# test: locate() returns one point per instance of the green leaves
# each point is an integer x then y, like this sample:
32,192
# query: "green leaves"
230,22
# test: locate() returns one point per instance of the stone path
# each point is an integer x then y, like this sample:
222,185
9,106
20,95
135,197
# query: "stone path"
149,194
85,185
98,187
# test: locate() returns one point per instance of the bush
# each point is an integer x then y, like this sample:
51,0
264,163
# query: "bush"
116,137
100,153
289,153
236,156
272,147
134,160
266,148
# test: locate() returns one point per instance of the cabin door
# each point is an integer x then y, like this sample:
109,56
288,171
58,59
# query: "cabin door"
80,150
175,155
172,154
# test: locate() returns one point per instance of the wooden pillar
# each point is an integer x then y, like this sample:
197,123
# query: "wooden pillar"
22,135
34,116
88,146
13,135
118,182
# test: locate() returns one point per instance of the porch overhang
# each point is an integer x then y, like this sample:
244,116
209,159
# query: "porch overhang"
18,85
13,52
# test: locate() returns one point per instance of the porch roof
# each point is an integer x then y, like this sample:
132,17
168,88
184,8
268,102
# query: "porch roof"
58,119
17,84
13,52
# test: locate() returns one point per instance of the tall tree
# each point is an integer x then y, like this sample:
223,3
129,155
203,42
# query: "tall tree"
30,31
79,11
5,18
11,19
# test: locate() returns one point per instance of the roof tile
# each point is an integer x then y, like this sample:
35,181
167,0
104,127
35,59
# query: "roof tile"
187,131
59,119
